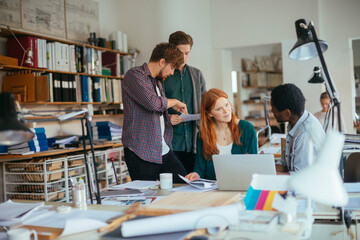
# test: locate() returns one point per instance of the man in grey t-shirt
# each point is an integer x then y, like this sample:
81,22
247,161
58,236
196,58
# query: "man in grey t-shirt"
304,130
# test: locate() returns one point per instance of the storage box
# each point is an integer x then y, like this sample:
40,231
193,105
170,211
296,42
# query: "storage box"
40,177
262,190
9,60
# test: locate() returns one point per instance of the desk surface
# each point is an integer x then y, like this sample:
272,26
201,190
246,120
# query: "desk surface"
276,233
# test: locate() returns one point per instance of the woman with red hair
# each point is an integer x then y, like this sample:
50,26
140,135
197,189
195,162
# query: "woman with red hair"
220,133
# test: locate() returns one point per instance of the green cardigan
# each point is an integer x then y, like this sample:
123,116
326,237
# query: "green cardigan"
205,168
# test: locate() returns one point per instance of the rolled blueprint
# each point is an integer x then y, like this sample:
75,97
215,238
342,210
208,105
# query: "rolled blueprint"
205,218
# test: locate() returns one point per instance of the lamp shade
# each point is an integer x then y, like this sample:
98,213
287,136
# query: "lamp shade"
305,47
316,77
12,131
322,181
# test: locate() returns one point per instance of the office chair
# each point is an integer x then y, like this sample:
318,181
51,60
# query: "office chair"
352,168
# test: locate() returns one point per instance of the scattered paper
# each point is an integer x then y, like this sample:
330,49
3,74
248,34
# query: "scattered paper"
201,183
78,225
270,150
121,192
189,188
190,117
10,210
59,220
137,184
276,137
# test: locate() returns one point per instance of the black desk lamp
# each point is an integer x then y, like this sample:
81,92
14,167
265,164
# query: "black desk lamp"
86,120
309,46
12,131
316,77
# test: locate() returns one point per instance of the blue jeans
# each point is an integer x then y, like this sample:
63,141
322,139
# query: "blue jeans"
143,170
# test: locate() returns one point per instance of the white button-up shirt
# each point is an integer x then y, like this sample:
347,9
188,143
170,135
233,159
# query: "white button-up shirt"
296,154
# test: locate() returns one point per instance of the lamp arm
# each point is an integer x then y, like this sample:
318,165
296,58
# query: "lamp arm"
16,38
328,78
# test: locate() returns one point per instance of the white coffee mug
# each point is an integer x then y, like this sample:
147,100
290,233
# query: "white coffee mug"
21,234
166,180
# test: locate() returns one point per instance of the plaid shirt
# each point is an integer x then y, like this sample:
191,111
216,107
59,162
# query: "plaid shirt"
142,111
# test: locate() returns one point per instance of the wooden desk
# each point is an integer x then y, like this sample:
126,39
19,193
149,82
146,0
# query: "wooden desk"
276,233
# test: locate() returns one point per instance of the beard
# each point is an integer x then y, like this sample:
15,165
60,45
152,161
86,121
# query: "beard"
160,76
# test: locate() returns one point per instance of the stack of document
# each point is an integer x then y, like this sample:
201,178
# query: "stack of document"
137,184
12,213
199,185
10,210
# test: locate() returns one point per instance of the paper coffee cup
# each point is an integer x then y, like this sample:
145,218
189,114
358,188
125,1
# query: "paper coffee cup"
166,180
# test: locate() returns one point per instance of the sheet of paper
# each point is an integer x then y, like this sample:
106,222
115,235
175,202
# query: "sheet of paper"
137,184
205,218
276,137
78,225
189,188
121,192
190,117
270,150
58,220
200,183
10,210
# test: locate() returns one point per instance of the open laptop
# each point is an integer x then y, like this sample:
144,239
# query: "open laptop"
234,172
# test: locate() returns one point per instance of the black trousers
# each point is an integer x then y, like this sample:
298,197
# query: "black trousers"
143,170
187,159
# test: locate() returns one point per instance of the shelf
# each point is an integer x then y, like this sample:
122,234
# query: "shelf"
255,87
19,33
54,152
267,71
70,103
108,115
53,118
258,118
17,68
253,101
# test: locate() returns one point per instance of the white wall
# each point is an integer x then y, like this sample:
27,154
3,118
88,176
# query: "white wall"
249,25
246,23
338,31
150,22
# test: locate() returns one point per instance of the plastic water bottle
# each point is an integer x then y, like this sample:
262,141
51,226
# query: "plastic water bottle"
79,195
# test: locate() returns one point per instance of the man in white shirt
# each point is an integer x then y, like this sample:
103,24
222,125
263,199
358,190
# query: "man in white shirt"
288,105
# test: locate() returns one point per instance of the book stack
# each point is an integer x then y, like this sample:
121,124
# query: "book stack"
38,144
3,149
106,130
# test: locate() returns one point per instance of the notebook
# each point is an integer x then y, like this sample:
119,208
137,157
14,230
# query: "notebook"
234,172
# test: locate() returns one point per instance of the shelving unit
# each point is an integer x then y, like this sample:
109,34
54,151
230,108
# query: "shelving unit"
43,181
49,180
116,107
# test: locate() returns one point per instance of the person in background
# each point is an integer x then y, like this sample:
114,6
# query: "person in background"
288,105
325,104
147,131
186,85
220,133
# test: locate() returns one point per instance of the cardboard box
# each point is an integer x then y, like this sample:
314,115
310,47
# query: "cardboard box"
9,61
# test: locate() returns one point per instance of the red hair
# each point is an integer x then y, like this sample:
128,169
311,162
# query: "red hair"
207,130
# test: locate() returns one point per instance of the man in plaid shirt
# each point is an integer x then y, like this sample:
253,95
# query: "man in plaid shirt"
147,131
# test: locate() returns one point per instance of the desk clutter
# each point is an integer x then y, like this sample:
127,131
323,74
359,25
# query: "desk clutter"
176,215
